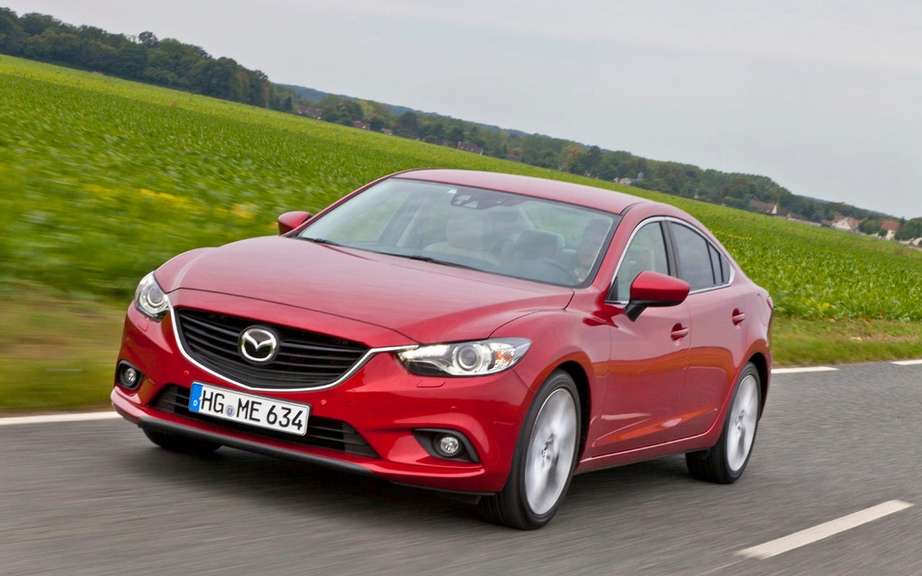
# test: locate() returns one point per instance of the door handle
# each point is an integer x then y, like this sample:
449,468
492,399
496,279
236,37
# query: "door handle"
679,332
738,317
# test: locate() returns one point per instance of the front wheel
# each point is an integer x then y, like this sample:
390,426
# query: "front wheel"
725,462
544,458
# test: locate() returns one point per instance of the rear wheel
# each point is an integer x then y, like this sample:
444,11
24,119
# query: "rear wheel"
544,459
180,443
725,462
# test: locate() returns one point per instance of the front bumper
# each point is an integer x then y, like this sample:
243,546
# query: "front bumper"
381,401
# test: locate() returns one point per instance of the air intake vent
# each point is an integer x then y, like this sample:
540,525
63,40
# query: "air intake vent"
321,432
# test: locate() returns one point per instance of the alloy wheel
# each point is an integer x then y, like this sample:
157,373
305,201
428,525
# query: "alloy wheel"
551,450
742,423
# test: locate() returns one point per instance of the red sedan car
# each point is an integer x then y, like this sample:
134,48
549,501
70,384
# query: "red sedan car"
464,331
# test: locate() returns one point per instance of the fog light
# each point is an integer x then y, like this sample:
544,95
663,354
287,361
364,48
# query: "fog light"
448,446
128,376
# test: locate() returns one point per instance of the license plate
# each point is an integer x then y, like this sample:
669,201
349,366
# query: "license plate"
247,409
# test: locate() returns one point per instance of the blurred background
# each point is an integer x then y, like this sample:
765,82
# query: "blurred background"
132,133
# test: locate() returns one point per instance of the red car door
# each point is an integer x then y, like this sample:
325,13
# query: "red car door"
649,355
716,312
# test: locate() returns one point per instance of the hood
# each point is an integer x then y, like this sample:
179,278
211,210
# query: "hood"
426,302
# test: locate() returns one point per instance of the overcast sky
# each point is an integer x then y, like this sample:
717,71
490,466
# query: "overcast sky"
824,97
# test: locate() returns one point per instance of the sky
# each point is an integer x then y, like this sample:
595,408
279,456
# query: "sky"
823,97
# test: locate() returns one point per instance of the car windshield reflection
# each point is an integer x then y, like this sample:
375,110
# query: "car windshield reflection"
485,230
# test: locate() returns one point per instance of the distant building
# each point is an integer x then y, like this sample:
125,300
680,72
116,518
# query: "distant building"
846,223
763,207
890,227
625,181
469,147
309,111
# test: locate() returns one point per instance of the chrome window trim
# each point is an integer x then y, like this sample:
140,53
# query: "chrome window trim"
369,354
654,219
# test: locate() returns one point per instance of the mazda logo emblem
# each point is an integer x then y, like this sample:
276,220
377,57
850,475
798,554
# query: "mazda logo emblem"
258,344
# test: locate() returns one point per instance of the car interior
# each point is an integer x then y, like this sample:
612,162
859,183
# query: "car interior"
501,238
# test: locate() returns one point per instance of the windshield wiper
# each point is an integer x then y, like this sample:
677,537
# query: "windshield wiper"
322,241
432,260
417,257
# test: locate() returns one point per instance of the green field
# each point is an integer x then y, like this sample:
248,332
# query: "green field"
101,180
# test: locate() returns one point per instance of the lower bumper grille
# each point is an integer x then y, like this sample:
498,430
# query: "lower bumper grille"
321,432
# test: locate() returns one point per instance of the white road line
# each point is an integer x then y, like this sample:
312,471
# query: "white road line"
805,370
907,363
50,418
824,530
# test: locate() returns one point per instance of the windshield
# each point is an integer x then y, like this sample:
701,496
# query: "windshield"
496,232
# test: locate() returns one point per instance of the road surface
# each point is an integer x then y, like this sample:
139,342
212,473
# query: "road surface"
95,498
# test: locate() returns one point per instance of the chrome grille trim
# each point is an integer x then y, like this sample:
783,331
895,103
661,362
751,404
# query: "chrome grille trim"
369,354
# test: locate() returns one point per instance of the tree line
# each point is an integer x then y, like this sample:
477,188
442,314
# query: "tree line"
171,63
745,191
146,58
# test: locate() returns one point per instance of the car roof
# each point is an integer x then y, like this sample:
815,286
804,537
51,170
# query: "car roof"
589,196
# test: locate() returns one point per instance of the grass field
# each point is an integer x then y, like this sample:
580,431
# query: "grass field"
101,180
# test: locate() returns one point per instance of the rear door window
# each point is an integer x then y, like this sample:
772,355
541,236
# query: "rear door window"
724,270
716,265
693,257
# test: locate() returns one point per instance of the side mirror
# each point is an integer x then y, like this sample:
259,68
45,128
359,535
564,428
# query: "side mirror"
291,220
655,290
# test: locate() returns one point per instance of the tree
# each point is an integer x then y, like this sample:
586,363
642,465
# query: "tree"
147,39
455,134
378,116
572,157
282,100
341,110
432,131
377,123
588,163
260,90
407,125
870,226
34,24
911,230
11,32
129,62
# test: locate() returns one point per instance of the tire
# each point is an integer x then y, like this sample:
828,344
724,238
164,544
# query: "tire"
725,462
545,457
181,444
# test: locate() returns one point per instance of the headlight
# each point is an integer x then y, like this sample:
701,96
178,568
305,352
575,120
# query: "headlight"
150,299
465,358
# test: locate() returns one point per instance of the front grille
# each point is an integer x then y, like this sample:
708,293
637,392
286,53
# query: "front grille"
321,432
305,359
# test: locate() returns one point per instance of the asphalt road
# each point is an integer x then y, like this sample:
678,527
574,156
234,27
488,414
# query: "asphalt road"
83,498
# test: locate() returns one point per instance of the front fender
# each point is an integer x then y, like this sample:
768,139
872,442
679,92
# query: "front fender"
562,337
